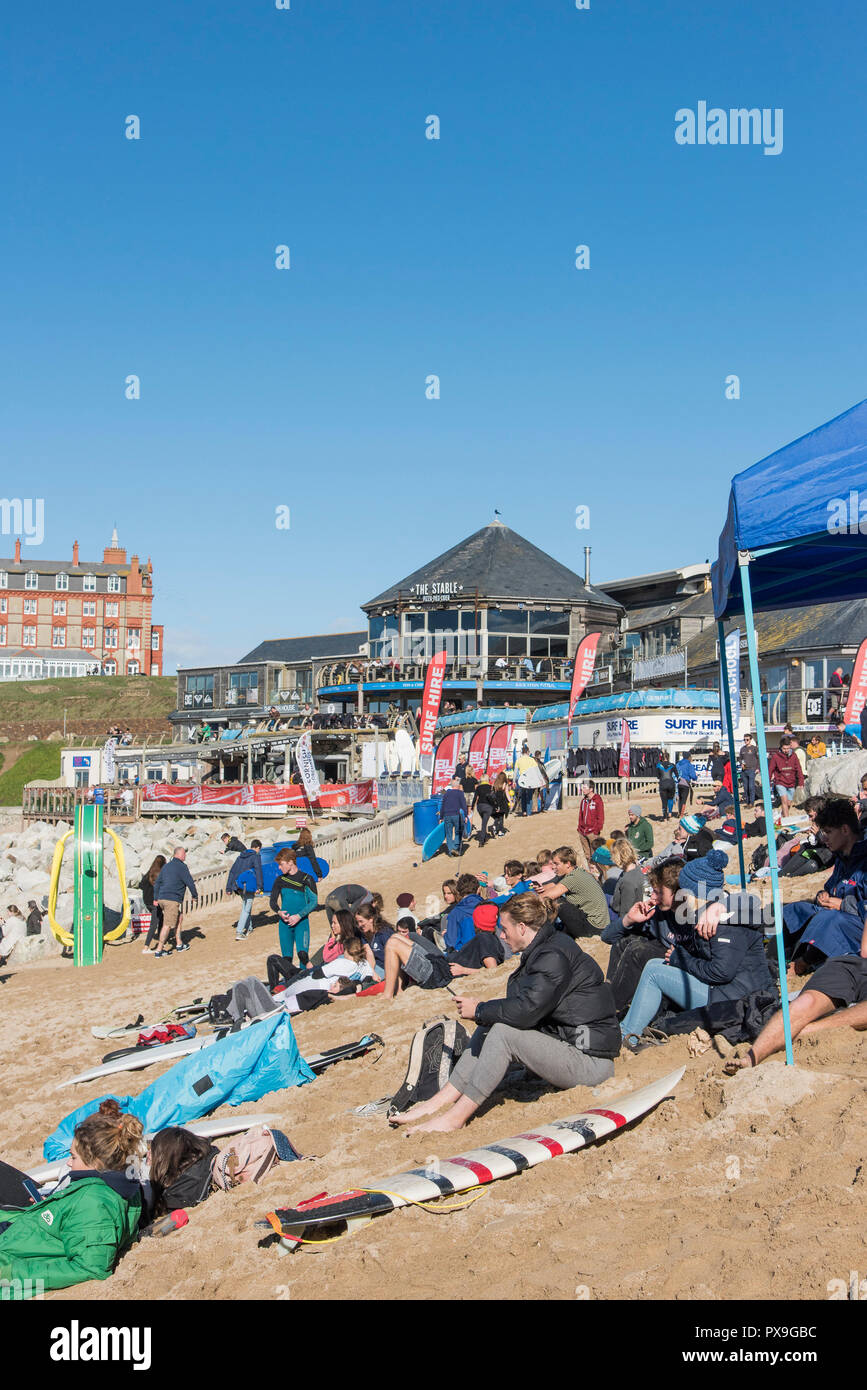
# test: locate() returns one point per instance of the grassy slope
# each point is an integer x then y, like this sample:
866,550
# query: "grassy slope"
41,761
108,699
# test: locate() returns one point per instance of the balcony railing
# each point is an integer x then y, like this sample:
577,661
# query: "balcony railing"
382,672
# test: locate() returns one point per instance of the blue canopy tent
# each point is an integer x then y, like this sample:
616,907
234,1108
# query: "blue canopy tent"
792,538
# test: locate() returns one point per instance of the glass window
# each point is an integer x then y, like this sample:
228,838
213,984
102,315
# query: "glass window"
506,620
113,585
538,646
4,580
31,580
471,620
442,620
133,639
110,668
111,610
30,605
132,668
496,646
61,581
517,646
88,609
243,680
559,646
58,637
374,628
89,583
4,605
28,637
60,606
88,637
413,622
111,636
200,683
2,634
155,641
553,622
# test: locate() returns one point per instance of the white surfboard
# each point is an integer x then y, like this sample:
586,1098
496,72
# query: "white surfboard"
206,1129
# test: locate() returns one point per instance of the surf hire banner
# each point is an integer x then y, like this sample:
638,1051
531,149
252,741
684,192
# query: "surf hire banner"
498,749
430,703
478,754
858,689
623,767
445,761
585,660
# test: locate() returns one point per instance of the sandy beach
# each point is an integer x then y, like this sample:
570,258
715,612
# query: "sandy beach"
747,1187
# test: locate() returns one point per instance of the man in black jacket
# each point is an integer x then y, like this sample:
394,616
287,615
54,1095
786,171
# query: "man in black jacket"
557,1019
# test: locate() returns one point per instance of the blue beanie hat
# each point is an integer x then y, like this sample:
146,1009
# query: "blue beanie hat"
602,855
702,876
692,824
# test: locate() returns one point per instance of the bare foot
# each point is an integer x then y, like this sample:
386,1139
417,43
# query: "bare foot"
417,1112
736,1064
443,1125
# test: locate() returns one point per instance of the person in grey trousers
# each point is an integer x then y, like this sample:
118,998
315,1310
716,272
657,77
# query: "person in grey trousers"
558,1019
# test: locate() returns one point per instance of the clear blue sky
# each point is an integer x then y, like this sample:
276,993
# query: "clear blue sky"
409,257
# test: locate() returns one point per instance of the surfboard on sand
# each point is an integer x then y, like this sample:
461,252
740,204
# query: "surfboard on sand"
215,1128
437,838
270,872
194,1012
466,1170
136,1059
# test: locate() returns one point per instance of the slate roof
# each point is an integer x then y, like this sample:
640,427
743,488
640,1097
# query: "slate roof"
821,627
328,644
500,564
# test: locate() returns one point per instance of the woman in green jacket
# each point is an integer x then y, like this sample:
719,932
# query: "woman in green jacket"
91,1217
293,898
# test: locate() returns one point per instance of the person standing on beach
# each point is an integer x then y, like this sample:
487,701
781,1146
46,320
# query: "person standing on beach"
173,882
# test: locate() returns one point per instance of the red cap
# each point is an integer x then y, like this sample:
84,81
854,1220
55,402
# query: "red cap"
485,917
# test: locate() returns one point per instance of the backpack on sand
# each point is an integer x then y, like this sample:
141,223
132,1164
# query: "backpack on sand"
251,1156
433,1053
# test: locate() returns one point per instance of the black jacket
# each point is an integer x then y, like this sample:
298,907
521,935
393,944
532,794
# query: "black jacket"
558,989
483,795
733,962
235,846
192,1185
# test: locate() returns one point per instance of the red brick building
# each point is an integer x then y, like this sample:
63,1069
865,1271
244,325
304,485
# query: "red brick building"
78,617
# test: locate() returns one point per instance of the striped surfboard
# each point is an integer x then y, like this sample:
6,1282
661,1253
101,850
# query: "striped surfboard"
467,1170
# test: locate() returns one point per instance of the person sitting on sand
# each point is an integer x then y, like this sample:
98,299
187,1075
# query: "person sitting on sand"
350,896
836,997
354,965
557,1020
510,882
484,951
459,923
581,905
414,960
725,962
81,1228
834,923
630,886
375,931
406,905
639,832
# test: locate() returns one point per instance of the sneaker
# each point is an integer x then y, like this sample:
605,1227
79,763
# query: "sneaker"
182,948
158,955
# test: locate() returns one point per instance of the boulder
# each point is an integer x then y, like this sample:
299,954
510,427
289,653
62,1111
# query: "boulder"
36,948
32,882
839,776
56,736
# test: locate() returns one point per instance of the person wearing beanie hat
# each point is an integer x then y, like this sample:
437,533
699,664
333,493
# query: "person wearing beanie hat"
719,955
703,876
639,832
484,950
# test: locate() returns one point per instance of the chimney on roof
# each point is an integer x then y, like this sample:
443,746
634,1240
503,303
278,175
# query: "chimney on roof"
587,564
18,550
114,554
75,553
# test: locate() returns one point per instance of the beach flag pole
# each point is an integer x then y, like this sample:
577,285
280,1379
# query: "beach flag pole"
744,567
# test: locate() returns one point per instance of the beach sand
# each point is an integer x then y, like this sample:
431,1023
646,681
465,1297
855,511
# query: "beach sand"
745,1187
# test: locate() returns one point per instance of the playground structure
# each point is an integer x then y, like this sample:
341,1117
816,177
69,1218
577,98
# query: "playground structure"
87,935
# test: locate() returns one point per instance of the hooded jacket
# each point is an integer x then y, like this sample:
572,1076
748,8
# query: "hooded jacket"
74,1234
250,859
559,990
591,815
733,962
193,1185
784,770
849,880
460,927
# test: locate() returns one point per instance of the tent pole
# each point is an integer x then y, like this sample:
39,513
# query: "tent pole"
744,566
726,696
